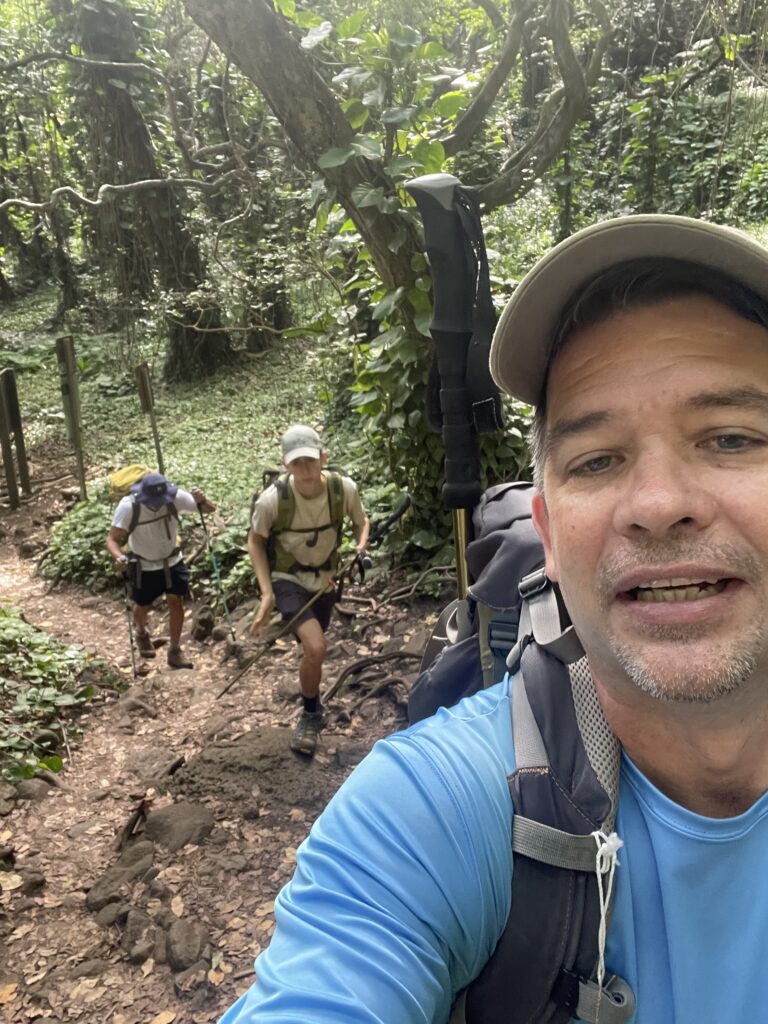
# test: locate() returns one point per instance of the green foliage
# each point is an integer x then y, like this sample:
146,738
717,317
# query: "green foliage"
41,683
76,551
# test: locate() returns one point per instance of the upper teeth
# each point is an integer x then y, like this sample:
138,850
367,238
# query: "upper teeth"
679,581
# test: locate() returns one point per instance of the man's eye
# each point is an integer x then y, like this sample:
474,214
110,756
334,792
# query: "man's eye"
735,442
595,464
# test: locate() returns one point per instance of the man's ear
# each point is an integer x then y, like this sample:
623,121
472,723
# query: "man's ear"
323,458
540,517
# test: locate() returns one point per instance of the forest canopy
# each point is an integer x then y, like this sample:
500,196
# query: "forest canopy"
208,179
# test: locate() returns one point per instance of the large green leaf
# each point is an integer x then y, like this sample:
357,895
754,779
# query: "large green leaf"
430,155
451,102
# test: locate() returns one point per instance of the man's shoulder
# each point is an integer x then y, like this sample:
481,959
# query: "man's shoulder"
123,511
183,501
475,732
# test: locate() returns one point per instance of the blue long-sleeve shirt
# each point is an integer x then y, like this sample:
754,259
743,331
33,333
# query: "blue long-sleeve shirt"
403,888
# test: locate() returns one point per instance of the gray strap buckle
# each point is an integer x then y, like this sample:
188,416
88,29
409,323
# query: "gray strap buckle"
614,1003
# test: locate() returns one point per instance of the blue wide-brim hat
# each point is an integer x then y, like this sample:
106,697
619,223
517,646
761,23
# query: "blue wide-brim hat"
154,489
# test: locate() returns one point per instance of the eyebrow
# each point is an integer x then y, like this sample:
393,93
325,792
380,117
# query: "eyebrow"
733,398
565,428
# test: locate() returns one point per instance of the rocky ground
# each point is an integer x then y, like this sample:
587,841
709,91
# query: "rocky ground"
138,885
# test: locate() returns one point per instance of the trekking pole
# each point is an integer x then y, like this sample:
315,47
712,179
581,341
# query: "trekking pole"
461,329
375,537
216,573
129,612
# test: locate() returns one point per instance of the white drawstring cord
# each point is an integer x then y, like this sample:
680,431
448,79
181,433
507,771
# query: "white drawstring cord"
606,862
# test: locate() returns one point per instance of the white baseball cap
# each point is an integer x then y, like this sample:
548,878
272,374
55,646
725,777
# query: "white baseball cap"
300,442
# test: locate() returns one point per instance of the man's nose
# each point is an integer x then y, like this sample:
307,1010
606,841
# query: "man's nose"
664,492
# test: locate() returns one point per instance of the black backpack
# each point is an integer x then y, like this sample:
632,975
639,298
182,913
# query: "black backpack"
546,966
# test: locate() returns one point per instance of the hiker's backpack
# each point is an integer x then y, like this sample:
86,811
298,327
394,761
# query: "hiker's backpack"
281,560
123,479
565,785
120,484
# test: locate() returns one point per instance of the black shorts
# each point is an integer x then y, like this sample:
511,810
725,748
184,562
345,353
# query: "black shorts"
290,597
152,583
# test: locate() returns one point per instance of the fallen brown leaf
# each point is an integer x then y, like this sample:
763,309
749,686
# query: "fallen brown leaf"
8,993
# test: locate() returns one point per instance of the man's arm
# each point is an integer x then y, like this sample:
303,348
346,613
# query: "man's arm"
257,549
400,894
116,538
361,533
353,507
201,501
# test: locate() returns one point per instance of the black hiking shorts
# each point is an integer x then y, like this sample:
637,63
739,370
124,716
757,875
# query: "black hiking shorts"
151,583
290,597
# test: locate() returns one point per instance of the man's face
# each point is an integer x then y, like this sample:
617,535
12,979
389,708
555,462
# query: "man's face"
654,514
307,475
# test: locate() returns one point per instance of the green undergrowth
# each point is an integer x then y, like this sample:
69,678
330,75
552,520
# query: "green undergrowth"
43,683
217,433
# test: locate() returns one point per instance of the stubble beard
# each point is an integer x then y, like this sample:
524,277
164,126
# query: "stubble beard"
710,670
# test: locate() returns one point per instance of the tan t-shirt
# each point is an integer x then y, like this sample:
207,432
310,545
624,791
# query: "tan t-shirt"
307,548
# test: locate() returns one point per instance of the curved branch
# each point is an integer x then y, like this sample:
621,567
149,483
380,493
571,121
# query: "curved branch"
106,191
70,58
475,115
563,108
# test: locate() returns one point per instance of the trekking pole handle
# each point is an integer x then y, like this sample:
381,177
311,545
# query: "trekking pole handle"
454,285
450,257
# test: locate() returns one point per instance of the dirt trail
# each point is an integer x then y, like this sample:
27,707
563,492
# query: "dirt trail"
169,933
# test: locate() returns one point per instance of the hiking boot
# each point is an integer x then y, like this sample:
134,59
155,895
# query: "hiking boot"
145,645
306,732
176,659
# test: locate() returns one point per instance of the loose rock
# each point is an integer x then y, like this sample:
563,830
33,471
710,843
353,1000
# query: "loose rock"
187,941
179,824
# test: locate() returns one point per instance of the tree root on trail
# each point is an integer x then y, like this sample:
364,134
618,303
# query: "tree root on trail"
377,690
363,663
355,599
408,590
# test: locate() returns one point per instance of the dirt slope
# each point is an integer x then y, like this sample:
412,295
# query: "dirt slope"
138,885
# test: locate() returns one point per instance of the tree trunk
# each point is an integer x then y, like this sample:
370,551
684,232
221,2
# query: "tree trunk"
198,343
257,39
7,293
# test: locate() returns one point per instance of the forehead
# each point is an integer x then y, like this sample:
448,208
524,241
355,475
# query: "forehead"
690,342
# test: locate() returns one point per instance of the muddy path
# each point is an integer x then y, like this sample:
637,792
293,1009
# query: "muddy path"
138,885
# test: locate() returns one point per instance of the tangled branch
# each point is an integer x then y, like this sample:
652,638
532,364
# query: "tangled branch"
107,191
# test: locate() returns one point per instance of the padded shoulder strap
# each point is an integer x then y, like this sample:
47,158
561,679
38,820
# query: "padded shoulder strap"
335,484
135,513
563,789
286,504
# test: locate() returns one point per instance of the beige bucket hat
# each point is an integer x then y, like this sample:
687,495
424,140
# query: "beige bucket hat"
524,335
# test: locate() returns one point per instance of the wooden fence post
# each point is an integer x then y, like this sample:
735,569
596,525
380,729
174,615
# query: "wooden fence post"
147,402
13,417
70,396
7,452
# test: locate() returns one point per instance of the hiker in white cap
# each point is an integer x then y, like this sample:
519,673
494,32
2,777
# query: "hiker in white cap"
296,529
628,787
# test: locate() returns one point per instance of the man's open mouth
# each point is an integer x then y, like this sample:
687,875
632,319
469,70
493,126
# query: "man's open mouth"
678,589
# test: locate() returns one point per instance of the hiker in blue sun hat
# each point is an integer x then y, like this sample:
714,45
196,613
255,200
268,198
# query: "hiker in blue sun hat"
585,839
146,521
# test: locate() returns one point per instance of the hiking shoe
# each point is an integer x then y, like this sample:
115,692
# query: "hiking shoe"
306,732
176,659
145,645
